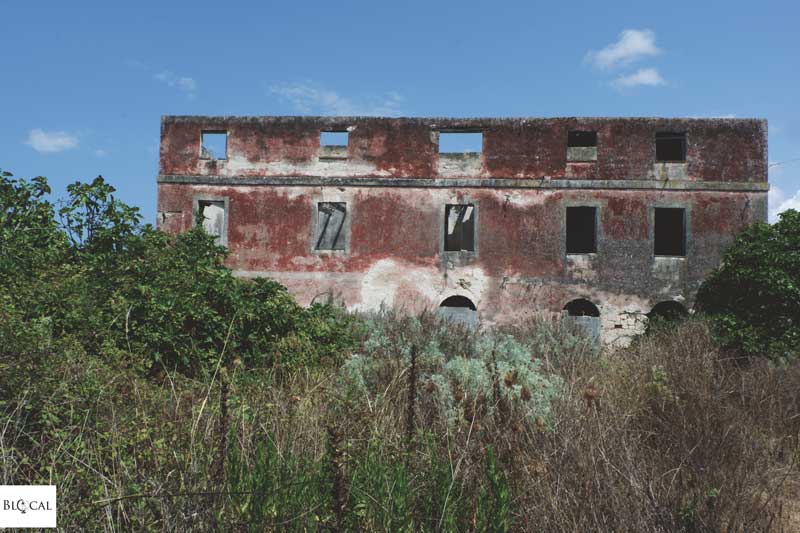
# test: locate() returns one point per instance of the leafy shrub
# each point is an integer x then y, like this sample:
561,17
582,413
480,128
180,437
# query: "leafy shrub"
100,276
754,297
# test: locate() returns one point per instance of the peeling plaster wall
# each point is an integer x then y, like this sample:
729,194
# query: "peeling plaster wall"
521,184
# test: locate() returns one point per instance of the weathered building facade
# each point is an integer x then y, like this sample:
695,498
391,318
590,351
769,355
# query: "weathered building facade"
603,217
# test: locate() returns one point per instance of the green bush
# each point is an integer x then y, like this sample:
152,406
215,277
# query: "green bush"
754,297
95,273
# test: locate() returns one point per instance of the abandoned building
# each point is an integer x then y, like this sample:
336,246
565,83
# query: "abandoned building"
609,220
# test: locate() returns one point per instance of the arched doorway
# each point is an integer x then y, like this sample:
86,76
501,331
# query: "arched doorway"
668,311
585,315
459,310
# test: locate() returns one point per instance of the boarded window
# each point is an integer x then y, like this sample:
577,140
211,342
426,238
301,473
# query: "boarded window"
213,218
214,145
581,230
669,234
459,228
460,142
670,147
330,225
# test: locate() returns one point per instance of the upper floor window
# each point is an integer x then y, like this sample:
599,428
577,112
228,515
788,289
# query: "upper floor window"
460,142
331,218
333,145
581,230
459,228
582,146
670,147
669,233
214,145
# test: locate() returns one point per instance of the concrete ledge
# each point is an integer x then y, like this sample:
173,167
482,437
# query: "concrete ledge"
445,183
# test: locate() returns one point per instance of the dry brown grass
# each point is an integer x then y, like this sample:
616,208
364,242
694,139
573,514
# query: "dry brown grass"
667,435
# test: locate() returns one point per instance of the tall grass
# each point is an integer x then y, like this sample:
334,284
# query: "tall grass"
426,428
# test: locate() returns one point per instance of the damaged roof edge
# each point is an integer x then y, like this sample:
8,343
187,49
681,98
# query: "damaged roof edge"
433,121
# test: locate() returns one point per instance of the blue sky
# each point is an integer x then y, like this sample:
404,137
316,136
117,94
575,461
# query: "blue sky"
84,83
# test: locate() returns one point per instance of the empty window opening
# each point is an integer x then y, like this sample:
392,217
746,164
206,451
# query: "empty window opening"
333,145
582,139
669,234
581,230
330,226
669,311
212,218
581,146
214,145
670,147
460,142
582,307
334,138
459,228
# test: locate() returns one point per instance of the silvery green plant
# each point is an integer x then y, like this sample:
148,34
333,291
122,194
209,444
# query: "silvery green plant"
497,368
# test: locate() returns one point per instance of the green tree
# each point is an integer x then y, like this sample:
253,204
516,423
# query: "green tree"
754,297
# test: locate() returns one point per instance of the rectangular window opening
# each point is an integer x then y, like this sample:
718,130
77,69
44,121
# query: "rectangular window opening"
333,138
214,145
670,147
582,139
333,145
459,228
581,146
460,142
669,233
212,218
581,230
330,226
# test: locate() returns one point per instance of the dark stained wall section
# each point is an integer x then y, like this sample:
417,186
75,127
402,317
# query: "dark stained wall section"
725,150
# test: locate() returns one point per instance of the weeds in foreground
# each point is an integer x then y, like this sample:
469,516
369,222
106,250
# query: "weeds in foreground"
529,429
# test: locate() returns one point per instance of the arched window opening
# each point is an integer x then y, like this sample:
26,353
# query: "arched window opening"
458,301
670,310
582,307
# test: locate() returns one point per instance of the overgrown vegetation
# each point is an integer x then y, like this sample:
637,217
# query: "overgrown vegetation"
159,392
96,274
754,297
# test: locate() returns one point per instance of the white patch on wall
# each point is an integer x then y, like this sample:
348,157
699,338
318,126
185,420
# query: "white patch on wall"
214,218
381,282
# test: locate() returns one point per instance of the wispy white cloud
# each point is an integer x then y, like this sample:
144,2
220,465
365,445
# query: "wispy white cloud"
309,98
648,77
100,153
631,46
49,142
779,202
182,83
